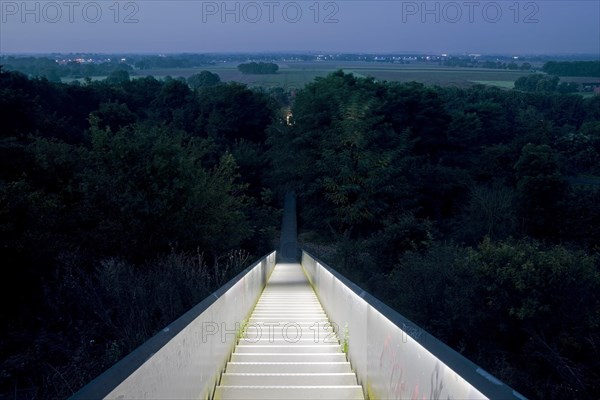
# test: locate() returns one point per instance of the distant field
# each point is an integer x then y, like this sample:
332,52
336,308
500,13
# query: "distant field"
579,79
500,84
296,75
93,78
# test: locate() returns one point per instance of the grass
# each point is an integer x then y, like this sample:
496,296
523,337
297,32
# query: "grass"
500,84
297,74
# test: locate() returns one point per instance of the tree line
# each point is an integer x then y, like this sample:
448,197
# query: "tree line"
545,83
573,68
54,72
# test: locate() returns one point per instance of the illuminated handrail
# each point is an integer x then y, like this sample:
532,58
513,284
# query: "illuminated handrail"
186,358
394,358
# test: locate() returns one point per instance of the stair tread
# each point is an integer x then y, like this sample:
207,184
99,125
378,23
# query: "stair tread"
290,349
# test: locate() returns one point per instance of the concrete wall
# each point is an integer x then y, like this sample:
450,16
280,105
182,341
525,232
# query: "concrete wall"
394,358
185,359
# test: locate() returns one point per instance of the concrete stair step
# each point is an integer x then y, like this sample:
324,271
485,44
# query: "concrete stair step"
288,357
289,297
288,321
289,302
289,341
290,333
321,325
324,379
300,348
288,310
289,330
297,302
288,367
288,316
302,305
289,392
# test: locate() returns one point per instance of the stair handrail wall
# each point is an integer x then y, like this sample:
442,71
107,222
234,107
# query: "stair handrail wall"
186,358
393,357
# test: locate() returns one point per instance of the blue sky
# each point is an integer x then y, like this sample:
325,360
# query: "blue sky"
151,26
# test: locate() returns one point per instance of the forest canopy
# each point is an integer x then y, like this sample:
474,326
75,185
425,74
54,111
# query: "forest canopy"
474,212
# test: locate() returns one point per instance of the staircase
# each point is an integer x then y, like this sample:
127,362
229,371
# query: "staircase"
288,349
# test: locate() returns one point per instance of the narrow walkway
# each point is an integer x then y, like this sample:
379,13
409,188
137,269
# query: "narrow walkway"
288,350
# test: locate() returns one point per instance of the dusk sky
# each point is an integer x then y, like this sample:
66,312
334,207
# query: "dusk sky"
159,26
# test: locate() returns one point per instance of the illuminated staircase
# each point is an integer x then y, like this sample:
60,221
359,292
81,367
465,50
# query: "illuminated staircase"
288,349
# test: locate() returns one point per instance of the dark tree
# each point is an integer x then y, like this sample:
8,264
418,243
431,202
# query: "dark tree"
203,79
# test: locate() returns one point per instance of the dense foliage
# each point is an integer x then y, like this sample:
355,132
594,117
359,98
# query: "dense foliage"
573,68
475,212
122,204
203,79
544,83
